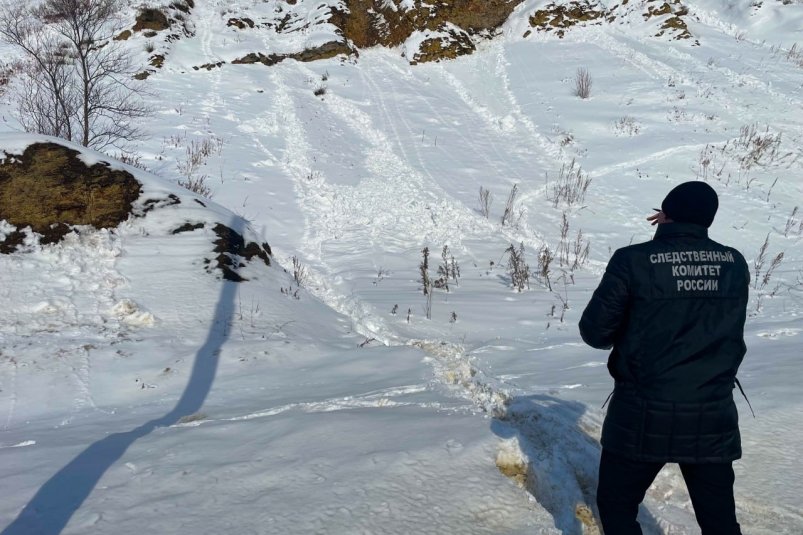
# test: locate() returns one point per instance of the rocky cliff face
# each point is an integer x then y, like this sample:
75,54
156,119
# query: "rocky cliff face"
432,31
309,30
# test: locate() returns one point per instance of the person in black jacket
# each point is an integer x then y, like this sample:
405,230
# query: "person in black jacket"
673,311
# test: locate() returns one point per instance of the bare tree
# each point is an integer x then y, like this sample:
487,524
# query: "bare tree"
79,82
45,99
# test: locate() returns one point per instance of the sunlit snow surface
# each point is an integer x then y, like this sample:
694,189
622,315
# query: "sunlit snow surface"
139,393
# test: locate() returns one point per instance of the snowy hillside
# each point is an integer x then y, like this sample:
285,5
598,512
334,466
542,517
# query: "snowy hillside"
141,390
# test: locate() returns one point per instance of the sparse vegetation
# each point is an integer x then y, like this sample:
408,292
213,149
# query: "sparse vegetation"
760,281
197,184
517,267
626,126
196,153
763,273
447,270
794,224
486,199
582,83
570,187
510,205
794,54
572,254
545,258
426,282
756,147
299,272
738,159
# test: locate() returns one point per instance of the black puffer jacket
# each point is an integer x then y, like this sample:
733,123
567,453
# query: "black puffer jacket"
673,310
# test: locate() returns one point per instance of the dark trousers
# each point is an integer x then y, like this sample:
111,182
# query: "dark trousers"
623,484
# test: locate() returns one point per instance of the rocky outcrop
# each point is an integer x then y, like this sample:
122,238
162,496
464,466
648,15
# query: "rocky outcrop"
325,51
448,28
49,188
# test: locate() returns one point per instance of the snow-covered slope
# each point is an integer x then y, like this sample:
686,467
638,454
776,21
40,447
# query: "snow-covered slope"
142,391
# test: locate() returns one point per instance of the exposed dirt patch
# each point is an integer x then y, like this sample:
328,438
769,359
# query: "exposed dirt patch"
512,466
234,252
48,188
151,19
124,35
674,23
673,12
242,23
152,204
157,60
187,227
368,23
209,66
328,50
185,6
560,17
259,57
452,43
12,240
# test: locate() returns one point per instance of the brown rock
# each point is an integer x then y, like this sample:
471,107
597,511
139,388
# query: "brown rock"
49,188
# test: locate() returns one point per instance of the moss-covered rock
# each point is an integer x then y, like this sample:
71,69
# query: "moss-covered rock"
151,19
49,188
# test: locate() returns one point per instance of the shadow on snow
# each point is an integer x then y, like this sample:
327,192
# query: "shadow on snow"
49,511
562,458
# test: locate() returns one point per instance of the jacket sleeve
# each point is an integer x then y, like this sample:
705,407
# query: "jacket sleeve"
606,312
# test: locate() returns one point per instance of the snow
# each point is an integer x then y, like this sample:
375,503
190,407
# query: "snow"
137,389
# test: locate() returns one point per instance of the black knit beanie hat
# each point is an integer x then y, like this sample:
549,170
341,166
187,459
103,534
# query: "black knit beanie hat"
691,202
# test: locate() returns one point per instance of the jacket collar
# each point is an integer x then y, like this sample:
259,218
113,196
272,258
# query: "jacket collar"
672,230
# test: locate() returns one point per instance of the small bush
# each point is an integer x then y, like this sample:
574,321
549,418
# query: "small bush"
485,202
197,184
447,270
761,282
793,224
299,272
763,275
510,205
758,148
582,83
517,267
626,126
570,187
426,282
545,258
319,91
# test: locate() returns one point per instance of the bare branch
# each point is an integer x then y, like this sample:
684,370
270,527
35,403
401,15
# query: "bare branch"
79,82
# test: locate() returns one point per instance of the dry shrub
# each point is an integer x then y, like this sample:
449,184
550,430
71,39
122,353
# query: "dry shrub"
571,186
582,83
